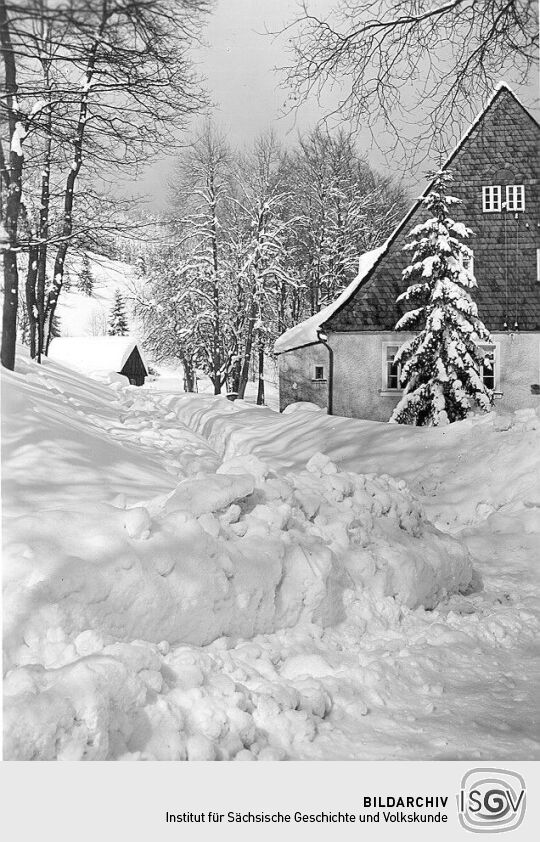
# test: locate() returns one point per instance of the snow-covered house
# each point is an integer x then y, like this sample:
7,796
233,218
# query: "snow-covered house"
342,357
101,355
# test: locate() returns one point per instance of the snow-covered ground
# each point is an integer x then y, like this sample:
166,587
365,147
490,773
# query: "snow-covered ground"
186,577
83,315
88,315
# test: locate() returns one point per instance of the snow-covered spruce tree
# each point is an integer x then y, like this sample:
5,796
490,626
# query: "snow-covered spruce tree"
118,325
440,366
85,282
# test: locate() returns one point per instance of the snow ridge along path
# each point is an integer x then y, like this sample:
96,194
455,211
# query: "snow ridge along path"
187,578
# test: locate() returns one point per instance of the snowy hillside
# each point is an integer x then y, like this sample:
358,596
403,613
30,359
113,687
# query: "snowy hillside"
87,315
187,577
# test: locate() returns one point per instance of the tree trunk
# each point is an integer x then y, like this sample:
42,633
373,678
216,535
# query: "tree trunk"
67,226
260,389
13,202
244,371
216,351
190,383
9,314
30,291
43,236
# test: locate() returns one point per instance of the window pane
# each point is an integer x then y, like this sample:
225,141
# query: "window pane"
491,199
515,197
487,368
393,376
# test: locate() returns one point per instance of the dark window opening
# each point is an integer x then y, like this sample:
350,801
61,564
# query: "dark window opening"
487,367
393,370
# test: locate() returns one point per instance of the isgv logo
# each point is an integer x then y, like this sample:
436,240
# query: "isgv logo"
491,800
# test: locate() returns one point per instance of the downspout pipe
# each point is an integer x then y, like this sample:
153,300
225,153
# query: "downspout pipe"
323,339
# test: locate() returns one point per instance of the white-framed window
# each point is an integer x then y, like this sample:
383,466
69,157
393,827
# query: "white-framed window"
491,199
538,265
489,368
391,373
515,197
318,373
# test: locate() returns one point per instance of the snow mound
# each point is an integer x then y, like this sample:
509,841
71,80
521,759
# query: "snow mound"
119,566
301,406
461,473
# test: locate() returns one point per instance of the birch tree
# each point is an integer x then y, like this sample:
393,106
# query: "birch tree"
201,195
344,208
392,58
262,197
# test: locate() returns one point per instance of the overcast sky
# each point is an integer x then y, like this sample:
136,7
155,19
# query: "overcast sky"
238,62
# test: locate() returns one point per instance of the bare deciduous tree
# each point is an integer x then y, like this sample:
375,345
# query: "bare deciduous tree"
343,208
99,86
391,57
200,195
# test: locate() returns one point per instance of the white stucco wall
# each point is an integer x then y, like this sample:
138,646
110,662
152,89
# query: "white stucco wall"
519,369
297,376
358,373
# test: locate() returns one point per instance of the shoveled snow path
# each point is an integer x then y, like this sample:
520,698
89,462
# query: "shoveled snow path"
461,681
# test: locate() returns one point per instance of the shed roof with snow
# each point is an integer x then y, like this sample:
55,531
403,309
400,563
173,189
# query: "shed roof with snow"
121,354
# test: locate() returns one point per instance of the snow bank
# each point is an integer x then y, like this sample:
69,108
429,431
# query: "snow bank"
126,533
301,406
462,473
230,554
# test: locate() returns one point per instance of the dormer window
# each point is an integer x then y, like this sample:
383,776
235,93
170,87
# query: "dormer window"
491,199
515,197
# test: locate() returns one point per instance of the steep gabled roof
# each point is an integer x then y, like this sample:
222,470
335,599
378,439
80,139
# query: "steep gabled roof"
373,302
94,353
376,297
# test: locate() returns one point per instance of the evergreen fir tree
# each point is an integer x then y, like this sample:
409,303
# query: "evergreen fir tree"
86,280
440,366
118,325
140,267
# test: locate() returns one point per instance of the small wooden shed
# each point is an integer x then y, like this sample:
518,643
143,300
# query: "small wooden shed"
101,354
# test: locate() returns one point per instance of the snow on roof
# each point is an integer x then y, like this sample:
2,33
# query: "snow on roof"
307,332
94,353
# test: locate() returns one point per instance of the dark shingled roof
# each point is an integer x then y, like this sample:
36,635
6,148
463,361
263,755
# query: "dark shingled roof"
500,148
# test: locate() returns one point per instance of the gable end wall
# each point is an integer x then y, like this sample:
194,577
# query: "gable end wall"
502,149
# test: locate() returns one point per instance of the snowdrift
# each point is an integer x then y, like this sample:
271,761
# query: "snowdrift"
463,473
127,533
